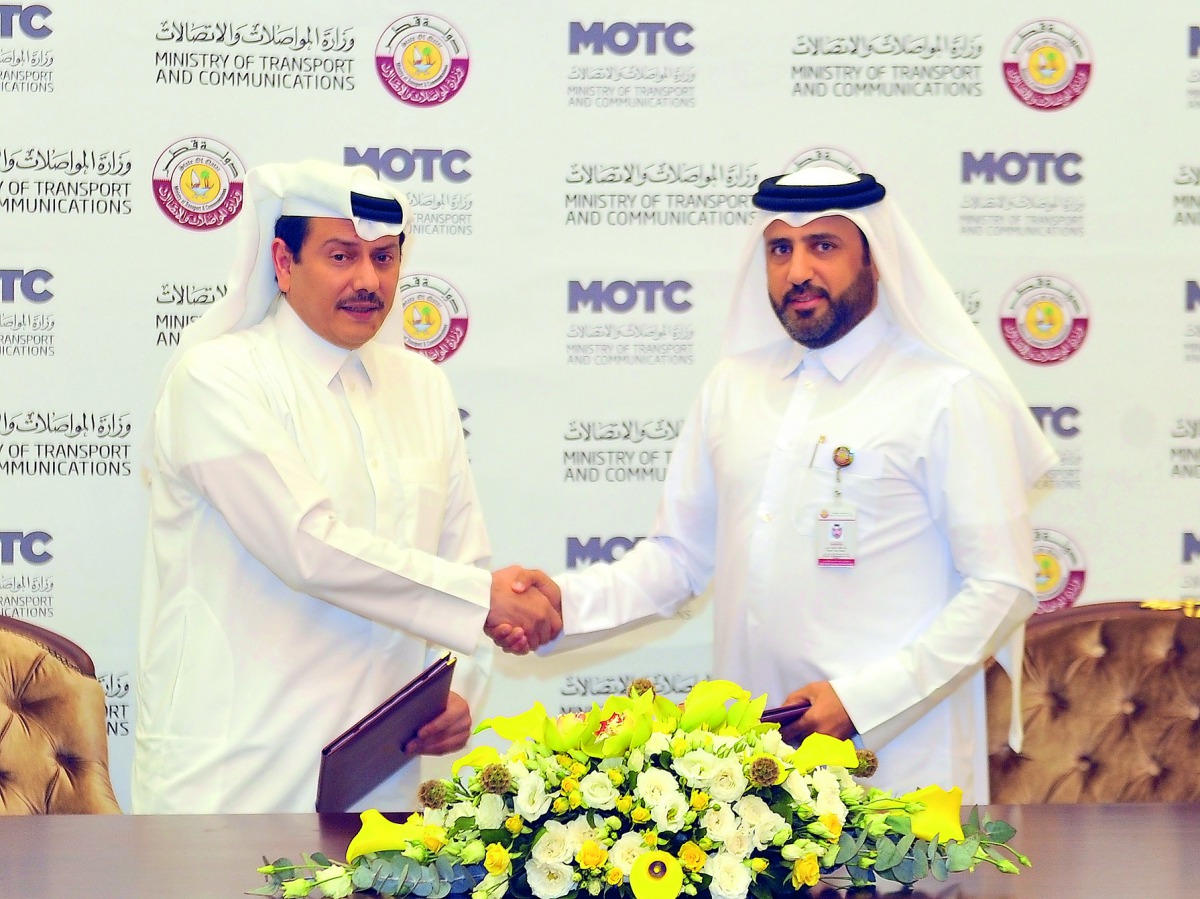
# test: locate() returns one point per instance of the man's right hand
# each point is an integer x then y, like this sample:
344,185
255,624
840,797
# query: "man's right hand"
526,611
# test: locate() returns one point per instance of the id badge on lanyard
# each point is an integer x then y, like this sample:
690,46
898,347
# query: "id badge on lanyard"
836,529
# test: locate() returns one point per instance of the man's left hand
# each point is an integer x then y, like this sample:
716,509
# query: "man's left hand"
448,732
826,714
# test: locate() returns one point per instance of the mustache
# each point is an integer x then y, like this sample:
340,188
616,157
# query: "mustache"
362,298
798,291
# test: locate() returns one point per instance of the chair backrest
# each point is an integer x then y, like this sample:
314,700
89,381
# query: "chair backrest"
53,736
1110,704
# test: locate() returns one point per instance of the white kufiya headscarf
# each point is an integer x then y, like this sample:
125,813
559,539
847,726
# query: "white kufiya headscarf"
311,188
912,293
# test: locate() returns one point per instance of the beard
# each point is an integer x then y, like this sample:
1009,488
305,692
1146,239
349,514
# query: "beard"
829,323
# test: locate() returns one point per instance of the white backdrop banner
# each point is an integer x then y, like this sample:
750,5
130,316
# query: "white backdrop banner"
581,174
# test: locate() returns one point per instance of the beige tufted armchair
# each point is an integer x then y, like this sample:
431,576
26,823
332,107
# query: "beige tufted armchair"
53,738
1111,707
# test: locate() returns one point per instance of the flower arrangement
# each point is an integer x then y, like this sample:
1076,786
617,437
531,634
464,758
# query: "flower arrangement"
643,797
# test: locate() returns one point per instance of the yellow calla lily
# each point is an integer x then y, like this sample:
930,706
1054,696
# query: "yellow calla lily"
529,725
378,834
822,749
705,704
656,875
942,817
745,713
478,758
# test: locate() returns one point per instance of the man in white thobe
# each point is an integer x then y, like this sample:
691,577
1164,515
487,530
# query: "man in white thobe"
315,537
851,483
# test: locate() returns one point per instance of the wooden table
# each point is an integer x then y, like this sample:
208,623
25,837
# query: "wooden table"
1078,852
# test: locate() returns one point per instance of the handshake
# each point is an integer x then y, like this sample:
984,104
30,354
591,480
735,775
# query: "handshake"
526,610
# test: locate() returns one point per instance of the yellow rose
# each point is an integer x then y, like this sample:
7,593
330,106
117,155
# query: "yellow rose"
616,777
513,824
758,865
699,800
434,837
614,877
833,823
569,785
575,799
805,872
624,804
578,769
591,855
640,815
496,860
692,856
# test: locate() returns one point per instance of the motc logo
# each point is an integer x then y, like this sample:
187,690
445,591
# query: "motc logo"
1191,546
625,296
623,38
1015,168
399,164
1059,421
597,549
30,284
31,20
31,547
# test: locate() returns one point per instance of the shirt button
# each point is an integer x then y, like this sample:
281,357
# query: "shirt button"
766,516
808,385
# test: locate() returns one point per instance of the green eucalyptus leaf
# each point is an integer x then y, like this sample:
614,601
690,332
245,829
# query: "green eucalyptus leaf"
267,889
959,857
887,854
999,831
320,858
972,825
905,844
847,849
362,877
920,863
860,877
938,868
899,823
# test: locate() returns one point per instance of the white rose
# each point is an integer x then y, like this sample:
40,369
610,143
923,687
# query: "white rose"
531,801
489,814
580,830
740,843
728,781
554,846
626,850
654,784
796,786
598,791
668,812
696,767
730,878
719,823
658,742
824,780
771,741
548,880
752,809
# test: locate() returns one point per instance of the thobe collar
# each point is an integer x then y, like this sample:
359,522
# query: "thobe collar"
842,357
323,358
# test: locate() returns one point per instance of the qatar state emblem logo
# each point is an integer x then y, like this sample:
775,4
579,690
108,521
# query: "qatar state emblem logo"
1044,320
197,183
434,316
829,157
422,60
1059,572
1046,64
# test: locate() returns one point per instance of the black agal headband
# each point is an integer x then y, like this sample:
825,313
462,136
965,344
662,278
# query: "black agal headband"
775,197
376,209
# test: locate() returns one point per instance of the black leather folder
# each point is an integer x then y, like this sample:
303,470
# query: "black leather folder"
785,714
360,759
